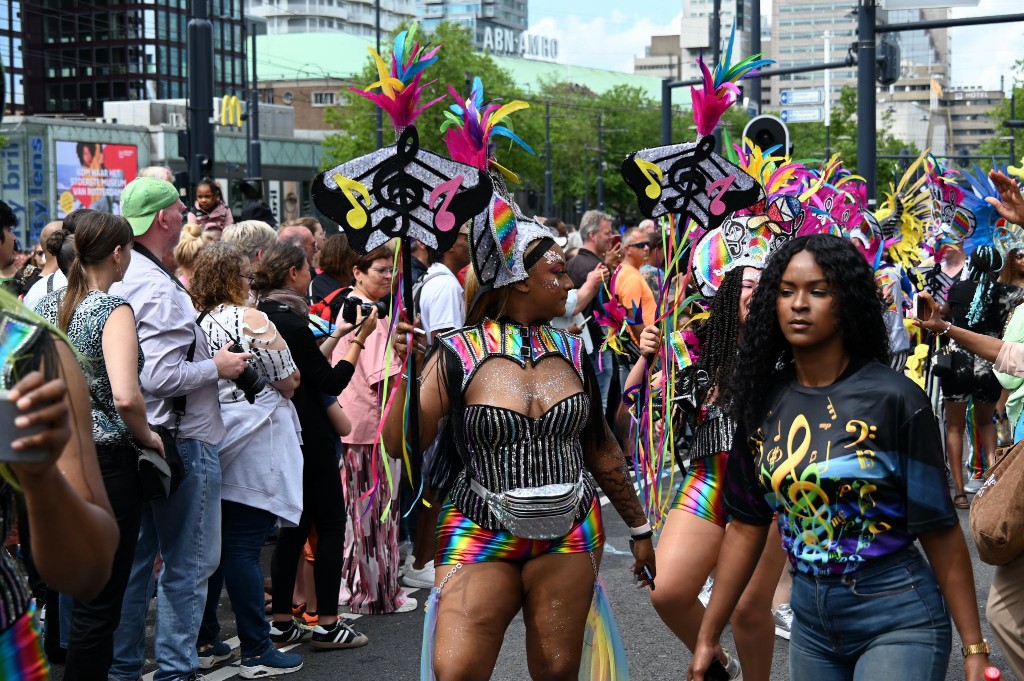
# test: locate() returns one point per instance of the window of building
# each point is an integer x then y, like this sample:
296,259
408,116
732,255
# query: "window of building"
323,99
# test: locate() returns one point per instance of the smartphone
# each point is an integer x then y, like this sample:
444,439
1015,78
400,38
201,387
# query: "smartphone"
921,305
8,412
616,240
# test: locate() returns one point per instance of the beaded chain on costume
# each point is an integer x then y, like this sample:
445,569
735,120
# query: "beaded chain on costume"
477,344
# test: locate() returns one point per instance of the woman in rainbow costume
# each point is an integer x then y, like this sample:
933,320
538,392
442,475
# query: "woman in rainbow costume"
523,448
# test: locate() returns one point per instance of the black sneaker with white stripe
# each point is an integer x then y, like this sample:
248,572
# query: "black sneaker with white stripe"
337,635
286,633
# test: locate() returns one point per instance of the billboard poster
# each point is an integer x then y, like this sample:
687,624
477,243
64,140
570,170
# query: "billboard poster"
93,175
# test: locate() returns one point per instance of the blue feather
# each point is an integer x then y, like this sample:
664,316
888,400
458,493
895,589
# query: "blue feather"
400,53
505,132
477,93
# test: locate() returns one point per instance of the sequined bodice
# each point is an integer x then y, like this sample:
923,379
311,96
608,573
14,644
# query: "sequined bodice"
507,450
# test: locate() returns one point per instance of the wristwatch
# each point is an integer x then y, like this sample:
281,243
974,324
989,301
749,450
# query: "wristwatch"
976,648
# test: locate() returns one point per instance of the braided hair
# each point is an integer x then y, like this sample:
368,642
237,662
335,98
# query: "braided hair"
718,338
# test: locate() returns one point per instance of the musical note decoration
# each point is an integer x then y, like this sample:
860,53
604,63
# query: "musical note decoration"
401,191
745,241
690,179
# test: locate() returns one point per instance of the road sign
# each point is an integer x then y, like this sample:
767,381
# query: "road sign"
808,96
808,115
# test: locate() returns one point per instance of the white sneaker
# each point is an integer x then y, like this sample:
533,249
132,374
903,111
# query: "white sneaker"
419,579
705,593
409,605
733,668
783,621
973,485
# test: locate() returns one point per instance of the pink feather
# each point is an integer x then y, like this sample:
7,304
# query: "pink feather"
403,109
709,103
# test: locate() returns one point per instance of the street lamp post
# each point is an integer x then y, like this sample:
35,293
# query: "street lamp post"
380,112
255,156
600,163
548,197
866,67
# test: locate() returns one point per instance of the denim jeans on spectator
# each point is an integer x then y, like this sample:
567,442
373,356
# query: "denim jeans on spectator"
186,530
244,532
604,365
884,621
91,642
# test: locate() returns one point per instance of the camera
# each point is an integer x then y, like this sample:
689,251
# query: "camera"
250,382
349,306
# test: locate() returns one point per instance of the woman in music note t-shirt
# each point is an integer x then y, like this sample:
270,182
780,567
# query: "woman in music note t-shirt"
847,453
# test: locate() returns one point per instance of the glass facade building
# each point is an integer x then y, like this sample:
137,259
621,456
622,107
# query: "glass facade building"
76,56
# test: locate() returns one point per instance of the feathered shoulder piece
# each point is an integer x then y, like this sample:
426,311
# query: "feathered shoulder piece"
470,124
400,86
720,91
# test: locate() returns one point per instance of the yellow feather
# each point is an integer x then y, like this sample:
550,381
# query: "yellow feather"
507,109
385,83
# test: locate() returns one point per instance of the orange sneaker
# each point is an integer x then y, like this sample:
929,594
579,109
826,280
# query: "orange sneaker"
297,610
310,620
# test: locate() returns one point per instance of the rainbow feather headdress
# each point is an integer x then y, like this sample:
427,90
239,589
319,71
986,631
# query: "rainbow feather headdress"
471,123
400,86
720,90
499,236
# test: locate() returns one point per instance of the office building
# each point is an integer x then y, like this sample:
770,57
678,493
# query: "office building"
675,56
498,26
356,17
13,56
69,58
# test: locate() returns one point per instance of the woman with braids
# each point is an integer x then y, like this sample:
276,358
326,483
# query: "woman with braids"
689,543
101,328
847,453
524,423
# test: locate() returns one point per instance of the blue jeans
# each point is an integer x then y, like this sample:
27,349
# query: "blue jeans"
186,530
245,530
604,365
885,621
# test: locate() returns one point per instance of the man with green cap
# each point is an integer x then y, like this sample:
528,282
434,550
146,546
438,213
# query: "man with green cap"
179,382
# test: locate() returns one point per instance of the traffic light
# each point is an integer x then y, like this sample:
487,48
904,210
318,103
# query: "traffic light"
766,132
887,70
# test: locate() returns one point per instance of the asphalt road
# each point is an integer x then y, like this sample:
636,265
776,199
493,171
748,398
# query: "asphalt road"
654,654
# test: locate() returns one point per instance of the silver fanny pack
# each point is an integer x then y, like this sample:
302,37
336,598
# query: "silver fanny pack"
545,512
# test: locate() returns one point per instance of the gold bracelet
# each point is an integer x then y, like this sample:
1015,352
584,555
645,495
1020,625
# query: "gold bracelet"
976,648
356,341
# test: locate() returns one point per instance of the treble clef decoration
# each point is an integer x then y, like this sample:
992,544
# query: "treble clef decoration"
401,191
694,181
395,188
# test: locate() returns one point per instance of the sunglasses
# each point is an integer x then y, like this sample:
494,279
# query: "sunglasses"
640,245
37,252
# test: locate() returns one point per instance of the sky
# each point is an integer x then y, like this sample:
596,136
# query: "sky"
604,34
